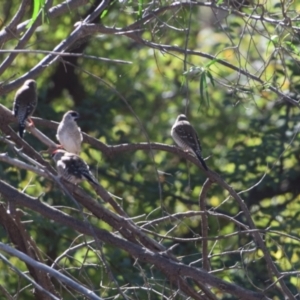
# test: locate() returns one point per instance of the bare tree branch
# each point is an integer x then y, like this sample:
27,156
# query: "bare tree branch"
24,39
164,264
53,13
204,223
81,289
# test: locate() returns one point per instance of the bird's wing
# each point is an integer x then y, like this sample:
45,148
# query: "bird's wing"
19,98
188,135
25,96
74,165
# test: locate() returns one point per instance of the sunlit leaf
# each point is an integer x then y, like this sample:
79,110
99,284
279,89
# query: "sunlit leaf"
210,78
140,6
204,88
37,5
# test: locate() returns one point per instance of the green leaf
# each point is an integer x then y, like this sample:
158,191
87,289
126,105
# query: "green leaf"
204,88
37,5
210,63
293,48
211,78
105,11
140,5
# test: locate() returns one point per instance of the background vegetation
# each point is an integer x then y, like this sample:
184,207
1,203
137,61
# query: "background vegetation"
129,68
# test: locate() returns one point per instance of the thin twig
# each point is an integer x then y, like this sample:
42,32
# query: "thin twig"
80,288
204,223
160,261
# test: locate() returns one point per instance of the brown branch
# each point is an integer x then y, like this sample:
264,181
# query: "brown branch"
6,118
26,148
114,150
21,165
24,39
73,4
84,29
204,224
44,268
97,11
189,214
11,27
128,231
165,48
76,35
54,12
91,29
175,5
164,264
257,237
6,293
213,238
123,224
67,54
20,238
213,176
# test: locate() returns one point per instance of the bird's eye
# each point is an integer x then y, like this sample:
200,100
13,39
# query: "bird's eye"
74,115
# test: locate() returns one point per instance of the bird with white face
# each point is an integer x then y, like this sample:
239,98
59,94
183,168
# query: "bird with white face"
68,133
72,168
25,103
186,138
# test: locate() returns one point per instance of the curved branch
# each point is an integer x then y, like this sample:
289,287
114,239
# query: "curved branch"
59,276
67,54
127,228
167,266
72,4
17,233
84,29
165,48
11,27
53,12
190,214
213,176
175,5
91,29
21,165
22,42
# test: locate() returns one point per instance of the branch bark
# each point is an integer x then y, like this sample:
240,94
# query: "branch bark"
167,266
204,223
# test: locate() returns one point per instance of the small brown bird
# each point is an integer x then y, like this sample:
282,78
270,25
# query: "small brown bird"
186,138
72,168
68,133
25,103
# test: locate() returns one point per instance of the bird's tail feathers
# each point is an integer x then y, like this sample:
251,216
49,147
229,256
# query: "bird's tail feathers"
90,178
21,129
202,161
